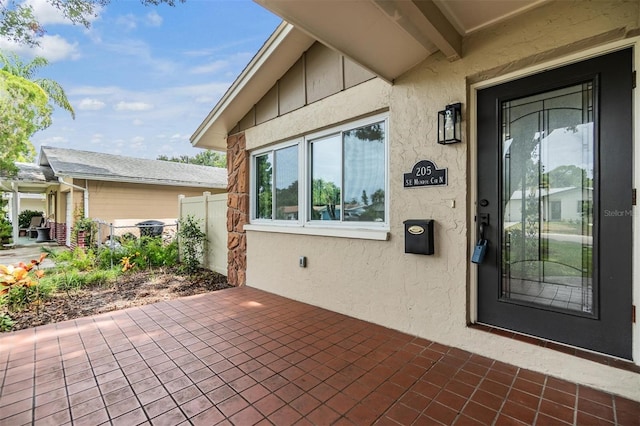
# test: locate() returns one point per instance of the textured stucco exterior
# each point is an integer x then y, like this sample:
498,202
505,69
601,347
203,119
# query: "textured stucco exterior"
432,296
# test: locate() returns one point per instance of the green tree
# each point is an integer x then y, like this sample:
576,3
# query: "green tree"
566,176
325,194
264,184
26,105
18,22
365,199
204,158
286,197
378,196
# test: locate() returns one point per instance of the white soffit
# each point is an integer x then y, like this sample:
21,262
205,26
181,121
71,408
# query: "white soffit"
383,36
468,16
389,37
277,55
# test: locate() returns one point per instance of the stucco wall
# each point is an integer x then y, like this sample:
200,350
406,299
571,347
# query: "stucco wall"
429,296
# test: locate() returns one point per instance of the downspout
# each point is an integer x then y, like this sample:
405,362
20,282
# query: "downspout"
86,193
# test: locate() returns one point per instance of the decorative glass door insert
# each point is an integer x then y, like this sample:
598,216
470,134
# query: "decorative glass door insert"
548,170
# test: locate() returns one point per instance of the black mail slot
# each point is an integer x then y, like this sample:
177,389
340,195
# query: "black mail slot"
418,236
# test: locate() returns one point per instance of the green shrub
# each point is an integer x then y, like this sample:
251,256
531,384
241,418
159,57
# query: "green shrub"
82,259
102,276
6,230
74,280
192,242
19,297
158,254
20,285
86,225
142,253
6,323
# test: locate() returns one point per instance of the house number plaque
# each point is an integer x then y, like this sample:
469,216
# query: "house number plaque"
425,173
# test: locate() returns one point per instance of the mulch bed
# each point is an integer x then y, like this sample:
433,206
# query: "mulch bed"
131,289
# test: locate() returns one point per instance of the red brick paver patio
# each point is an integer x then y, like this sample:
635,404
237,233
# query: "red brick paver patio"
243,357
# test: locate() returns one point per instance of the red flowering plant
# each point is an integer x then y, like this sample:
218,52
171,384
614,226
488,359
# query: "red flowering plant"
19,283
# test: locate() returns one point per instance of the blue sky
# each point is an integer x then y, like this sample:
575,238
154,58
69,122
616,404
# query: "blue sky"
142,78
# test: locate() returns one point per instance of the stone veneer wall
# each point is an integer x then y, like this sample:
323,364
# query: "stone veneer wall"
237,208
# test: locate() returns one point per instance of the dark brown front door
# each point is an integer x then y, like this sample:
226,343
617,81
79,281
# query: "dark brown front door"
555,182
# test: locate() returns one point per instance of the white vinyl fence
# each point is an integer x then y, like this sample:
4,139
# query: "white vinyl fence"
211,211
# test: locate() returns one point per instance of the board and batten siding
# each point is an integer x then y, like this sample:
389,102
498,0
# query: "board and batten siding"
319,73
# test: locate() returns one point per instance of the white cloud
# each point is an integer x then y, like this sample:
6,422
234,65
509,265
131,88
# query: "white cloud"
153,19
141,54
137,122
205,100
221,47
209,68
133,106
93,91
127,22
215,90
48,14
91,104
97,138
137,143
54,140
53,48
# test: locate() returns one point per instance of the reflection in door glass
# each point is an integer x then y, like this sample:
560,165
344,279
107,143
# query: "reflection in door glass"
548,177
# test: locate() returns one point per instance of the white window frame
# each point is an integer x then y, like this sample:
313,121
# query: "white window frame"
304,225
252,182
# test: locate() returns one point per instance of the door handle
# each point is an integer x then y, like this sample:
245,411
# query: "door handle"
483,223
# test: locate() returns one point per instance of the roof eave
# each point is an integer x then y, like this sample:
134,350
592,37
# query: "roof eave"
145,181
283,48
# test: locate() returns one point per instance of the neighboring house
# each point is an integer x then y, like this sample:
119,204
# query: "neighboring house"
556,204
110,187
347,99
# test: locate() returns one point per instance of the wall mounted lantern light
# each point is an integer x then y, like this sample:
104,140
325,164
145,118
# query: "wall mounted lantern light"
449,120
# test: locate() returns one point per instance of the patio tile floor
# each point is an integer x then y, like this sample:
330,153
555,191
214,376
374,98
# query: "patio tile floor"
243,356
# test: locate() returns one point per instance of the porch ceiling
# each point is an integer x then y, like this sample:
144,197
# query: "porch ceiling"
389,37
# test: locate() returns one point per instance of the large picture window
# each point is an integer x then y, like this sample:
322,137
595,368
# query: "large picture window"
343,172
348,175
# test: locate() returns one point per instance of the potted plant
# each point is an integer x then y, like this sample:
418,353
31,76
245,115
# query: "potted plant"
83,230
